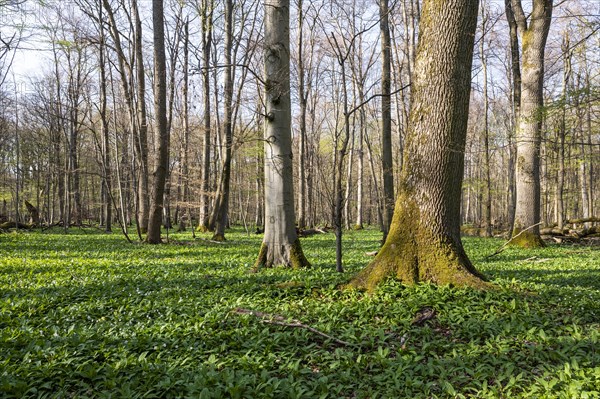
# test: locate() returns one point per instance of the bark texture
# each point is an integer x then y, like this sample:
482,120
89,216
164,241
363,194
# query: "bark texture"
280,244
386,119
424,243
533,34
218,221
162,131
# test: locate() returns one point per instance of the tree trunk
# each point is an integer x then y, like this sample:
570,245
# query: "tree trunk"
281,245
162,133
106,173
560,184
302,93
515,78
185,196
528,137
207,16
424,239
142,123
219,216
486,131
387,162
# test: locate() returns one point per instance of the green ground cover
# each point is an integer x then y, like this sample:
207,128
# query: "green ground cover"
89,315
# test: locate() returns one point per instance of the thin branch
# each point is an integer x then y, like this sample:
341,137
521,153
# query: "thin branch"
281,321
353,110
502,248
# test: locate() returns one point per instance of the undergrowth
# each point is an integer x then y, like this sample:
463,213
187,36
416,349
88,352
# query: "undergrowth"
89,315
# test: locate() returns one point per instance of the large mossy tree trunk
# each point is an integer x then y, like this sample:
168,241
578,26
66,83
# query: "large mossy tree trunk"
281,245
423,243
533,33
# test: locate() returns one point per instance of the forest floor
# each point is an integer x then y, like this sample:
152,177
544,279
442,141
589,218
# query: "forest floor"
86,314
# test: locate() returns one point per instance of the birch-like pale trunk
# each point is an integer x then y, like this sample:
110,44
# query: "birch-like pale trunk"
281,245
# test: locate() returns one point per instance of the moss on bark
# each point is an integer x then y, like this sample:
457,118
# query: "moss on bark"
412,253
526,239
218,237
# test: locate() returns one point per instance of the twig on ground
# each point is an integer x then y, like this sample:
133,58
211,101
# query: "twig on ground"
281,321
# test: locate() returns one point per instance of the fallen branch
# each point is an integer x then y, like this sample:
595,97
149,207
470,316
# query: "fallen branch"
281,321
213,241
502,248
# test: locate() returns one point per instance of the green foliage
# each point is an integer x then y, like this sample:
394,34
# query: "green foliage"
88,315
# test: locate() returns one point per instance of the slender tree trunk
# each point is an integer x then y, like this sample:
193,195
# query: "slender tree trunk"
281,245
339,165
302,93
533,35
141,137
424,240
560,184
348,190
583,161
185,195
106,171
486,131
515,77
207,16
588,127
162,132
222,203
387,162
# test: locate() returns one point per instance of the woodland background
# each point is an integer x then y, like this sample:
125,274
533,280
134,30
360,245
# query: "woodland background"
77,136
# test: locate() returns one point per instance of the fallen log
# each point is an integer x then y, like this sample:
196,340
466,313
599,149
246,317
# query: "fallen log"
14,225
311,232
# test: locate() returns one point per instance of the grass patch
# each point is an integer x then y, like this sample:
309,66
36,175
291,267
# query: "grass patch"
88,315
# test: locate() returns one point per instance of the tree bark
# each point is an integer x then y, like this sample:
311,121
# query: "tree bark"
387,162
515,78
162,132
281,245
106,172
424,239
486,130
303,94
185,197
219,216
533,34
207,24
142,123
560,184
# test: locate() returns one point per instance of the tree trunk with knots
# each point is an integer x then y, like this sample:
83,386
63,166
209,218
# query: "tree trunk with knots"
281,245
